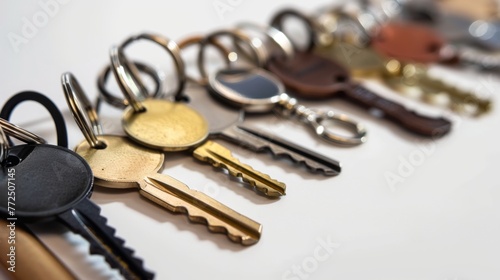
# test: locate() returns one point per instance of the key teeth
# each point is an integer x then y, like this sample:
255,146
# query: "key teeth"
482,105
237,238
208,154
216,227
280,148
102,225
313,168
261,188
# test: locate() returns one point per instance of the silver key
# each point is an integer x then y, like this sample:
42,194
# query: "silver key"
225,123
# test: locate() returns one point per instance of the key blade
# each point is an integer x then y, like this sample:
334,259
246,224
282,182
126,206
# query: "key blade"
412,121
85,219
219,156
200,208
260,141
457,96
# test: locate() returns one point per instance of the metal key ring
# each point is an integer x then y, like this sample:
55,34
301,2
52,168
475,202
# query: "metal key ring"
366,32
121,103
255,44
317,119
85,115
312,26
20,133
330,20
227,54
278,38
4,146
7,128
132,81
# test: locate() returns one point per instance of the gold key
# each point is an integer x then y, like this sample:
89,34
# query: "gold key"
173,126
407,77
118,162
124,164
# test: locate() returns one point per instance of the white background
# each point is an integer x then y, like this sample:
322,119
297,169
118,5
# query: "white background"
441,222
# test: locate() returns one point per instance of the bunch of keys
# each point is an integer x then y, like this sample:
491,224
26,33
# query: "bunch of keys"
226,122
401,76
119,163
172,126
62,182
256,91
312,76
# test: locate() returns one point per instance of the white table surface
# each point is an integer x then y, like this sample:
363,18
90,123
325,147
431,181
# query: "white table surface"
440,222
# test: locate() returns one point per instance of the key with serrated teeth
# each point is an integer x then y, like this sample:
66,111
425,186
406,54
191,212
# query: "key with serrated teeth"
219,156
124,164
226,123
172,126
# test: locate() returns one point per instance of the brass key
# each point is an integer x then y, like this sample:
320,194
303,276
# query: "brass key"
173,126
117,162
404,76
124,164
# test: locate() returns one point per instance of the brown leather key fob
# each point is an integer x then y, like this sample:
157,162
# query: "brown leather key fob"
315,77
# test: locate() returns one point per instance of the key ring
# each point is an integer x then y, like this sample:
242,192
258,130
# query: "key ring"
9,129
312,26
255,44
316,119
20,133
278,38
85,116
227,54
4,146
14,101
273,97
121,103
331,21
130,82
